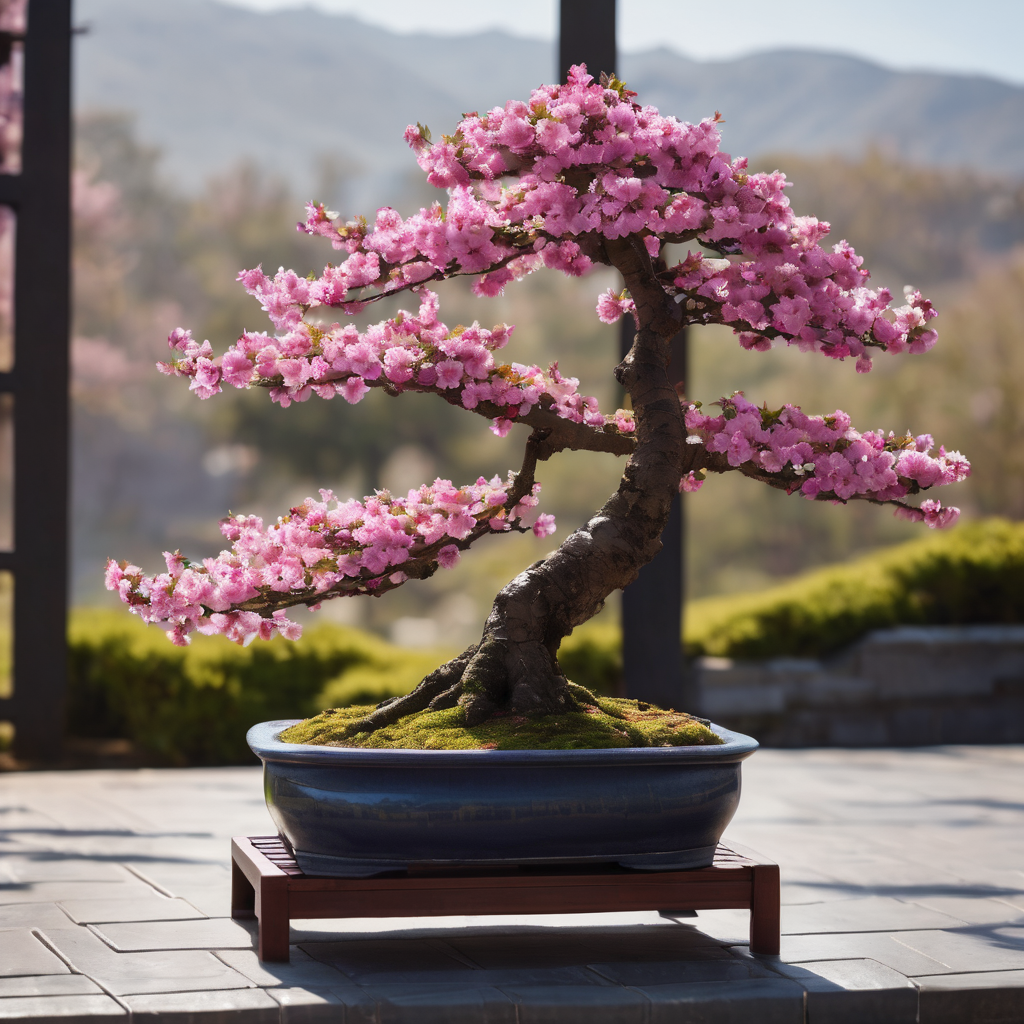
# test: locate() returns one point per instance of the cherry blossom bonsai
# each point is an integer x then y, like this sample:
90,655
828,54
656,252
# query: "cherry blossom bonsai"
581,175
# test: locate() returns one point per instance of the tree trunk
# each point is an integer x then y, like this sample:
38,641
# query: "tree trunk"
515,664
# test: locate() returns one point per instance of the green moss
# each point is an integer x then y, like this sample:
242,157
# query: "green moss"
602,722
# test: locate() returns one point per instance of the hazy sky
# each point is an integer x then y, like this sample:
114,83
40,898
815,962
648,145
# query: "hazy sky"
982,36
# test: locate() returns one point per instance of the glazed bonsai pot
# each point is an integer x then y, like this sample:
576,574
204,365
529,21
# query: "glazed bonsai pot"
355,812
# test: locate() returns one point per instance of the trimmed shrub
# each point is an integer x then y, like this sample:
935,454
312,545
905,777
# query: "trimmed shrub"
971,574
592,657
194,705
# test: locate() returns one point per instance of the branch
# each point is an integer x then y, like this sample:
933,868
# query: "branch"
822,457
425,562
396,285
563,433
420,355
317,552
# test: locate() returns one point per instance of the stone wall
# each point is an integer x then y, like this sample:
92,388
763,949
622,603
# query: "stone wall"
911,686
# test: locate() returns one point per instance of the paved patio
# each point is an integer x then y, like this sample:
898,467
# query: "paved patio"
903,901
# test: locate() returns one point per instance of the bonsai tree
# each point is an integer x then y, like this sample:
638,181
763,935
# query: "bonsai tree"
579,176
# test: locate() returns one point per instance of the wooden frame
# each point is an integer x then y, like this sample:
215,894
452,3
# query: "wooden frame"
266,883
40,195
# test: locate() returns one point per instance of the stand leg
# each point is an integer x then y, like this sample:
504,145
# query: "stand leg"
243,895
272,911
765,900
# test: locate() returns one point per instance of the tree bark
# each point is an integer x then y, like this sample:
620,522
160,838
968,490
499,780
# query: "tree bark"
515,665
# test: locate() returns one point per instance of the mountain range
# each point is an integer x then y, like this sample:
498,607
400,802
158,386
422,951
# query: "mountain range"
211,85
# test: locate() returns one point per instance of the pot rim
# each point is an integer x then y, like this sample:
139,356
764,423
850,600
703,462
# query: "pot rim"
264,741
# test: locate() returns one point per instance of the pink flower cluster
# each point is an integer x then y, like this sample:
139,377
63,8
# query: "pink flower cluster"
824,456
407,352
528,179
796,291
321,548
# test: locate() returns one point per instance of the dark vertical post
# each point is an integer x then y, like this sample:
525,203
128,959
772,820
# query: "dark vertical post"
652,606
653,667
586,35
40,377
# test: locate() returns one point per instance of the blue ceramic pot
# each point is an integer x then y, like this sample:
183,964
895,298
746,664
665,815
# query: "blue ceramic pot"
356,812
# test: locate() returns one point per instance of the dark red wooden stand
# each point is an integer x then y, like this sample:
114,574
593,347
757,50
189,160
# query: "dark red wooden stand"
267,884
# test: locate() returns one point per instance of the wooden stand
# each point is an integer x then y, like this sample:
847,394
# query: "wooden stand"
267,884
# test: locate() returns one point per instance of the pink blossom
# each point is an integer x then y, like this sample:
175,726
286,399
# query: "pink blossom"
353,389
316,550
955,468
915,465
913,515
610,306
460,525
448,556
294,372
398,364
623,419
449,373
544,525
937,517
237,368
823,456
179,339
114,575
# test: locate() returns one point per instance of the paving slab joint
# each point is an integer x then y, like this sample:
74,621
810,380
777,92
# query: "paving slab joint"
149,881
41,936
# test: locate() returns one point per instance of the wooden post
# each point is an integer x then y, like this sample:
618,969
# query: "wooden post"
586,35
260,887
273,914
653,666
41,196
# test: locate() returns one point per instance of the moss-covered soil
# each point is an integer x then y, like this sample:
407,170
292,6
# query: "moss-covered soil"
601,722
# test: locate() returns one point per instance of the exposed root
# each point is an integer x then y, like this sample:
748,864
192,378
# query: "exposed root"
434,685
494,675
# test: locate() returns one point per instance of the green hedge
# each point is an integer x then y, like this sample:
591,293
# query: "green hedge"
193,705
973,573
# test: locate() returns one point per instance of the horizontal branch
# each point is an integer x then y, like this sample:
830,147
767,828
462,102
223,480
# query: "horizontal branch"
789,482
562,433
422,565
823,457
317,552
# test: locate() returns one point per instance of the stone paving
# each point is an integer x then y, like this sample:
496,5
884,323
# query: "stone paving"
903,901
